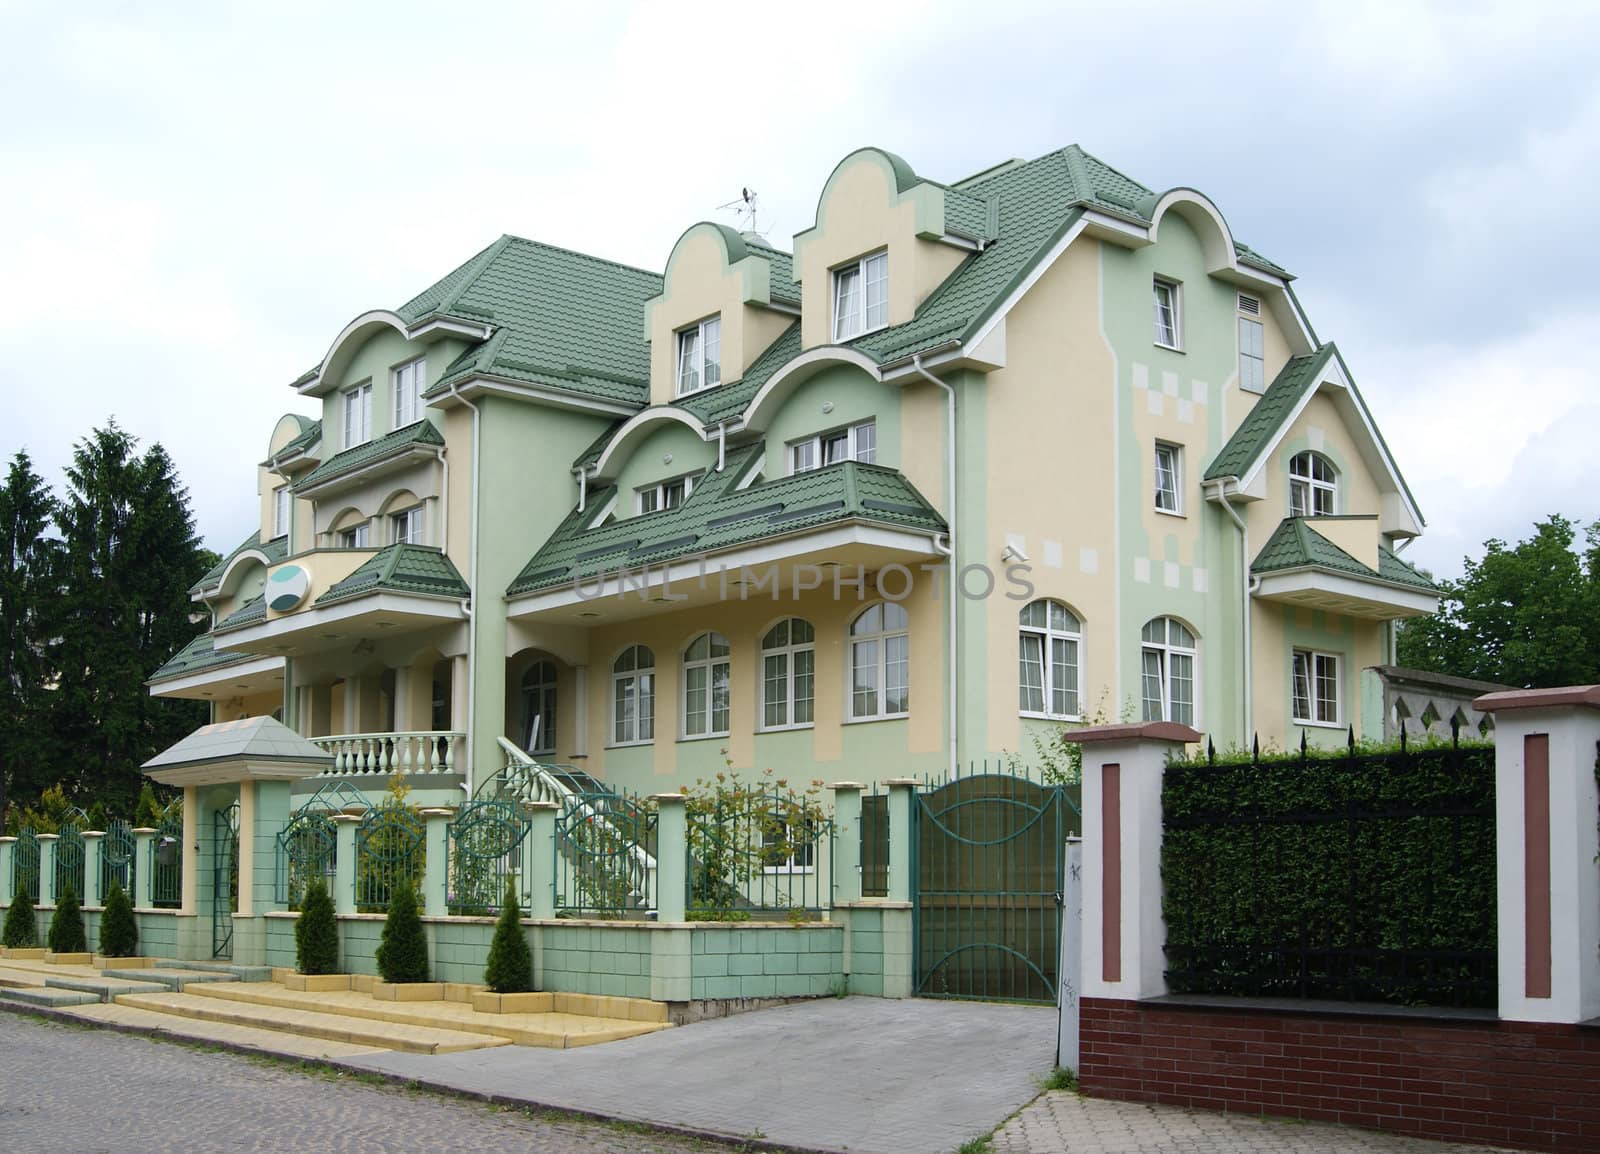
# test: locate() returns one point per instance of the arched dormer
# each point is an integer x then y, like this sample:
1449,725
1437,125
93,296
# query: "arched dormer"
873,202
330,373
770,399
245,575
715,276
290,427
1208,223
636,430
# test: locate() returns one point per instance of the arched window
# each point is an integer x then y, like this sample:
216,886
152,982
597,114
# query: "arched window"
880,662
788,674
539,708
1048,656
705,686
633,696
1167,671
1313,485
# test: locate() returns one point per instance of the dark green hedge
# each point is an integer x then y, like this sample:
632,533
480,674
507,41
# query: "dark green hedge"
1359,876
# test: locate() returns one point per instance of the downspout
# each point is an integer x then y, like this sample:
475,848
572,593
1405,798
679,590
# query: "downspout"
949,548
472,585
444,505
722,446
583,487
1246,586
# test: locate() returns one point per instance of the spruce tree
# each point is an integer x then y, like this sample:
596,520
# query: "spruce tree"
119,931
509,969
316,934
21,931
403,949
66,926
29,566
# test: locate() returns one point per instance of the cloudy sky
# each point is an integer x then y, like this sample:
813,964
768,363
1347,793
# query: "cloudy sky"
195,197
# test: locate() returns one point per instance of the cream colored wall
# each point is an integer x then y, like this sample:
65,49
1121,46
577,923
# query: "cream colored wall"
250,705
1236,402
326,569
1357,536
458,448
1277,630
1319,426
424,480
860,213
1060,376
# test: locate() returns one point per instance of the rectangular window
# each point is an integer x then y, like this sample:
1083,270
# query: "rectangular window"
861,296
406,527
1168,332
356,537
280,511
357,416
700,356
1169,478
855,443
1316,688
409,381
664,495
1252,364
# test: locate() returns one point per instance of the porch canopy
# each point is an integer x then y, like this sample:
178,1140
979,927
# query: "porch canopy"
250,749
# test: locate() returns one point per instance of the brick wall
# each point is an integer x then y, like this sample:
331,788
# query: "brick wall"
1506,1083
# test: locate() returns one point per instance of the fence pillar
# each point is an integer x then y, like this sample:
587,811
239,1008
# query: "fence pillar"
344,862
1548,881
902,794
672,857
47,869
846,842
1123,931
144,868
541,859
93,847
8,860
436,862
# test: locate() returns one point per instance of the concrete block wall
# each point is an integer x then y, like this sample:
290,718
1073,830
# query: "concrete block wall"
733,961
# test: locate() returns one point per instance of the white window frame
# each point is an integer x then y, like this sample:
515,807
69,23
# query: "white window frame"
1165,649
1174,494
655,496
879,640
280,512
696,370
546,691
1312,485
357,402
1046,636
855,315
356,536
1175,308
638,684
1252,354
861,444
414,522
805,862
408,381
788,654
1313,663
706,716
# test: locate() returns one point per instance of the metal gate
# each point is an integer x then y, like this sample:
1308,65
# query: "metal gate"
988,870
224,879
117,859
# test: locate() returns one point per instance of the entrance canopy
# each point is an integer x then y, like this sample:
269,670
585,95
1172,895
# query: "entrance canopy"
250,749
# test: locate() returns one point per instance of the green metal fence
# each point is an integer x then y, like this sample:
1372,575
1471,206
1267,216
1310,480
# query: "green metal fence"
117,858
486,846
755,852
166,864
391,846
307,848
605,855
71,855
25,863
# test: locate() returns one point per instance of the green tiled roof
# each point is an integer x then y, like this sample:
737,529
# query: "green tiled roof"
414,569
195,657
304,441
419,432
1268,415
252,612
719,516
781,284
727,401
1296,545
562,319
275,550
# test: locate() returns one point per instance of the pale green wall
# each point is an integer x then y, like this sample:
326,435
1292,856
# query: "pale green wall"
645,466
1326,633
855,397
374,361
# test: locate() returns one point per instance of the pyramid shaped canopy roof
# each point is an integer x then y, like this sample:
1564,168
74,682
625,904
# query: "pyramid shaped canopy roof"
250,749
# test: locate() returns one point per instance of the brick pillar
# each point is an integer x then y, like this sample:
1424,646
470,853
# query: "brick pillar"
1546,808
672,857
1123,931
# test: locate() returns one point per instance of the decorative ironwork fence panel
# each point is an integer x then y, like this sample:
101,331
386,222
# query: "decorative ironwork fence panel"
25,863
875,844
1355,876
755,853
224,879
390,850
117,858
166,864
988,856
71,858
307,849
605,855
487,845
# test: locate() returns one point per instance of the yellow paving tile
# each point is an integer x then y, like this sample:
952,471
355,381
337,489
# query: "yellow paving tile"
274,1041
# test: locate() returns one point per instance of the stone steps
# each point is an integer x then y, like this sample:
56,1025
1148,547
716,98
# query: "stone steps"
242,973
192,1029
314,1024
104,989
176,978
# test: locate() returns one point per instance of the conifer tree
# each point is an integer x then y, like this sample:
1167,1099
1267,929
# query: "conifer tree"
119,931
21,931
316,933
509,969
29,564
66,926
403,949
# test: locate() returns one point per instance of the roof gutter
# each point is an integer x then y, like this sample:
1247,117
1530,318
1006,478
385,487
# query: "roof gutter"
949,549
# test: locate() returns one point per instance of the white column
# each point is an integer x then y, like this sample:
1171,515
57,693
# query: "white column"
580,711
1546,842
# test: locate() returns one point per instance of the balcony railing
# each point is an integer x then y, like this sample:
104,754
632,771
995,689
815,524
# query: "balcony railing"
431,751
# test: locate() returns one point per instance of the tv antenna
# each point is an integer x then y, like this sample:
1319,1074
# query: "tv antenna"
744,208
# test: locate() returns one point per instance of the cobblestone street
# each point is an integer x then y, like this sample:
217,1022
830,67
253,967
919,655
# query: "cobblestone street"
73,1089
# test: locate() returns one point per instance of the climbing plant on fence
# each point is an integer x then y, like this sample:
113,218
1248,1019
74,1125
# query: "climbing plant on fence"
390,850
485,847
753,847
605,854
306,851
1361,875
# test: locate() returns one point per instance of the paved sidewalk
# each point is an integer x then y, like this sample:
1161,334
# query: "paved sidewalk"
860,1074
1061,1122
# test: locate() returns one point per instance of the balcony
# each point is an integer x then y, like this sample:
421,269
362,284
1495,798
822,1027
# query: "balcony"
1340,565
383,754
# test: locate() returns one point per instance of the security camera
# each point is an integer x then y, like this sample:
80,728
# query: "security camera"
1012,553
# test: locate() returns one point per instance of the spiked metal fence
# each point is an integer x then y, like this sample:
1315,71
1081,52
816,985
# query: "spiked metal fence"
487,846
605,855
166,864
391,845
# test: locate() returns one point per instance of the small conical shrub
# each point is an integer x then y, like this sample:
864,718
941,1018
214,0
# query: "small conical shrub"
403,949
119,932
509,969
66,927
316,934
21,931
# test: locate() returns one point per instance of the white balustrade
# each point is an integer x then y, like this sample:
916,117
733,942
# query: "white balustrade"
354,754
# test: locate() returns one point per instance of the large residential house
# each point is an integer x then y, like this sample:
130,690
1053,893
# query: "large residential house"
654,524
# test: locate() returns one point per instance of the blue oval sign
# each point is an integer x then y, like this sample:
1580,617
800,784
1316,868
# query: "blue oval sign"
287,587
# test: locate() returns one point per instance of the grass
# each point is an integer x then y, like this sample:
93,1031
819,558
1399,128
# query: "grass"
978,1145
1061,1078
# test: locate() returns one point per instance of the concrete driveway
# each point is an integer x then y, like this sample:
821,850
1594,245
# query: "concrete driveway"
858,1074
